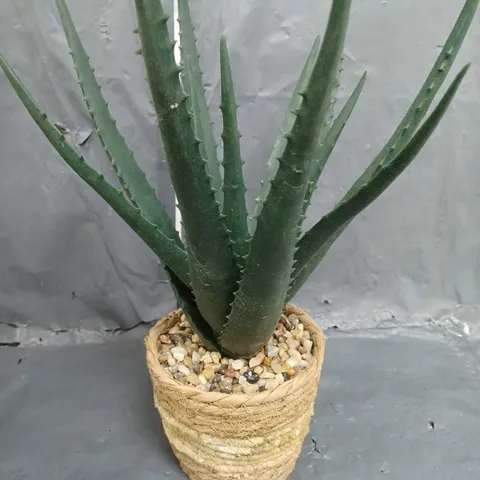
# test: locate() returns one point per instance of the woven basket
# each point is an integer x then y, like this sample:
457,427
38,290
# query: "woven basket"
218,436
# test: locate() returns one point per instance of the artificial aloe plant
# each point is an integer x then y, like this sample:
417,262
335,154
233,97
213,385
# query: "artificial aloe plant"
234,272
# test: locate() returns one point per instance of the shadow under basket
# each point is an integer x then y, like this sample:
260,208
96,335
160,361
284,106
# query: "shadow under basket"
218,436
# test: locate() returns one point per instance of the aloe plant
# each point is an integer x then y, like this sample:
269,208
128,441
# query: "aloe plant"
233,272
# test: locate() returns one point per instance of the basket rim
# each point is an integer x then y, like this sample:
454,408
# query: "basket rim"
159,375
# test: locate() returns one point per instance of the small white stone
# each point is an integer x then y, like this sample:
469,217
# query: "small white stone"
195,338
267,375
174,330
250,388
261,382
255,361
308,344
279,378
171,361
272,351
196,357
292,362
303,364
202,379
207,358
271,384
183,369
216,357
242,380
307,356
178,353
238,364
292,343
276,367
295,354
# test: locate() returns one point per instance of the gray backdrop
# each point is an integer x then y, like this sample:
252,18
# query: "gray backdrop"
72,272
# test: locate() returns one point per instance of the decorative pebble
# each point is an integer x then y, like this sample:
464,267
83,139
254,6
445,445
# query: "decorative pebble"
292,344
271,384
250,388
287,352
177,338
238,364
256,361
293,362
196,357
208,373
251,376
178,353
193,379
293,319
272,351
207,358
277,368
237,389
215,357
294,354
184,370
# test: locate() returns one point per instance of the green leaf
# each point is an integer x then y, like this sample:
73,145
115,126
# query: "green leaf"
287,125
186,301
234,206
165,248
131,176
315,243
213,271
325,148
424,99
262,289
189,54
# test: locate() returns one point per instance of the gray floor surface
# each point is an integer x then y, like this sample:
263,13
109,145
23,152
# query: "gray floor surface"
401,405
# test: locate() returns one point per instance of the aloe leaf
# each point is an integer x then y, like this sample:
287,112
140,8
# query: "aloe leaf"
213,270
186,302
234,206
130,175
287,125
325,148
189,54
262,289
164,247
315,243
424,99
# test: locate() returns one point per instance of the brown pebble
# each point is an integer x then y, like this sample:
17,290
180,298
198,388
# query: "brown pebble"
195,338
230,372
187,362
237,389
208,373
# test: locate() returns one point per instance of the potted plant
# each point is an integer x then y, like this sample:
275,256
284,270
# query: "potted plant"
235,369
